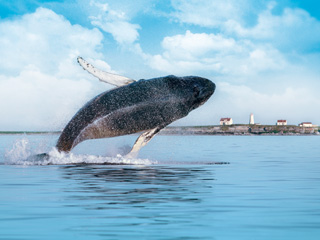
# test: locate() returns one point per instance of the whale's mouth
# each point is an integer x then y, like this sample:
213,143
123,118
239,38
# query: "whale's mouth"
207,91
203,90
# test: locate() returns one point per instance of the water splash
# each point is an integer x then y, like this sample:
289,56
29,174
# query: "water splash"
22,154
20,150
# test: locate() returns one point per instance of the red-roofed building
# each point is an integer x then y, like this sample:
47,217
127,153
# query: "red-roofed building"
281,122
305,124
226,121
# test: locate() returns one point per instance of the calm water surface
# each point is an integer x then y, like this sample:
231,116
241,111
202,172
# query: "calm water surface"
270,189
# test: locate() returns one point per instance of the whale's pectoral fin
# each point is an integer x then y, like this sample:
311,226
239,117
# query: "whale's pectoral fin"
111,78
142,141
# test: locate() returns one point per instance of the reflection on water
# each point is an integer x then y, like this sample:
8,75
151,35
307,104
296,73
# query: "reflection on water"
137,185
123,202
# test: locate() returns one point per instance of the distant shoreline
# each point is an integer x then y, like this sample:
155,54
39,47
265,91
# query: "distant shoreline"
28,132
236,129
243,130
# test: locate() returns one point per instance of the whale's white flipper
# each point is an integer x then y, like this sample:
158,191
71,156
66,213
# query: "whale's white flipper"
142,141
111,78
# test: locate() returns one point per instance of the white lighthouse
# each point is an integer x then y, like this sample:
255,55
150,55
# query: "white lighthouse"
251,120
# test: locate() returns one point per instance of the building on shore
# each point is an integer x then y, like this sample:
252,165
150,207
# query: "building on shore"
306,124
281,122
251,119
226,121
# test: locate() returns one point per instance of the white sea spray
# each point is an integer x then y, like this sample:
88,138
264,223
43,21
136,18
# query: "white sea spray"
22,154
20,150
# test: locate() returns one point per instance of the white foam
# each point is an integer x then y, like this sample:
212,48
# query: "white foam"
21,154
20,150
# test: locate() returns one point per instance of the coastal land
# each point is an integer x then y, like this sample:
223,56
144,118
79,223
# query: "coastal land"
242,129
236,129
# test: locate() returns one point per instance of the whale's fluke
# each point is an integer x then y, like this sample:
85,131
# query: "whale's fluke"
111,78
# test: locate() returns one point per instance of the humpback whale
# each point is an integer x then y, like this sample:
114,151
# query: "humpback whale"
145,106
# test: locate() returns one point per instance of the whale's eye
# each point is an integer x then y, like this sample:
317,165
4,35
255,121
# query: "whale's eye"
196,91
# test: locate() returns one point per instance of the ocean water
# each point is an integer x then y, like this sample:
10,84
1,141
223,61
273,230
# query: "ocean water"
269,190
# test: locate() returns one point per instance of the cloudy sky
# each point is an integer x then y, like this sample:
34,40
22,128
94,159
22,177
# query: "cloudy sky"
264,56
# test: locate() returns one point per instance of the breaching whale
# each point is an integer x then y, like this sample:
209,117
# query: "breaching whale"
134,106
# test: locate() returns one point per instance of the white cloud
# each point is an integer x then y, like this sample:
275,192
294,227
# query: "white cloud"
191,46
114,22
258,59
209,13
33,38
293,30
41,84
240,50
193,53
189,52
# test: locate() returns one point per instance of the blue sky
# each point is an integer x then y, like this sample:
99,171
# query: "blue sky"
264,56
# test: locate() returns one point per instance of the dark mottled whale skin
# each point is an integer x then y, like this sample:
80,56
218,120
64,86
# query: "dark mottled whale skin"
139,106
